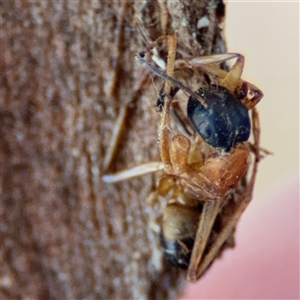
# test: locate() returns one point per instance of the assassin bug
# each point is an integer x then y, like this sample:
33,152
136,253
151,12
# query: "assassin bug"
209,176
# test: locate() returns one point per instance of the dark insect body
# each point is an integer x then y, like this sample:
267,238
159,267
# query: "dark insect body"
208,178
224,122
178,250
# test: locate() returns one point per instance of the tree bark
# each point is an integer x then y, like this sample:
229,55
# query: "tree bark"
67,78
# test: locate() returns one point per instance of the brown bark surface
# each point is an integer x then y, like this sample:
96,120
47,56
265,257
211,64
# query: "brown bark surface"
67,73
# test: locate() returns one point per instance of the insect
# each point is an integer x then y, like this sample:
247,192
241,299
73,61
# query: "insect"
208,174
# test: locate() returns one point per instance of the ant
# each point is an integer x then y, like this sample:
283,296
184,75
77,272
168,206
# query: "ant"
209,176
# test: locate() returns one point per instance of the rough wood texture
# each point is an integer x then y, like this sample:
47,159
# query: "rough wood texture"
67,74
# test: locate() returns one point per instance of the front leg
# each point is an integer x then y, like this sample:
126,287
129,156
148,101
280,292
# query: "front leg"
179,154
207,220
232,78
136,171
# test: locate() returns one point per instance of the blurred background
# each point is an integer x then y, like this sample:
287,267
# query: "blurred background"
265,262
267,33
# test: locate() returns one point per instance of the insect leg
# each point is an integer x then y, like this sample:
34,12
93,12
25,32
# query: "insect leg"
256,150
164,131
207,219
140,170
140,58
152,45
111,151
232,78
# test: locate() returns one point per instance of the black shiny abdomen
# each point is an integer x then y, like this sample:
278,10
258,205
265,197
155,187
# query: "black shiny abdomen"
175,254
224,122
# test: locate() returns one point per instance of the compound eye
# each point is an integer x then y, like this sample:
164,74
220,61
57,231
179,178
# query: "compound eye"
205,130
224,122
